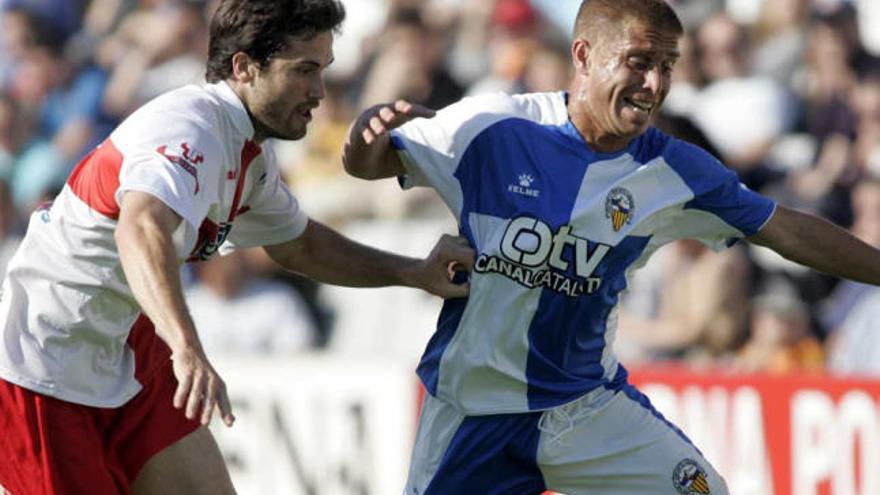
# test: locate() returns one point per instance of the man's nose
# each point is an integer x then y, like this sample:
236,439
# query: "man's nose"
654,79
316,88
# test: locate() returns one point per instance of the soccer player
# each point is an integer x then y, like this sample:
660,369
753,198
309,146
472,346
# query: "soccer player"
563,195
97,349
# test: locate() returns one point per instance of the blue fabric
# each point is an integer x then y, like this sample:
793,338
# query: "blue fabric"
717,189
447,323
80,100
491,455
567,335
519,169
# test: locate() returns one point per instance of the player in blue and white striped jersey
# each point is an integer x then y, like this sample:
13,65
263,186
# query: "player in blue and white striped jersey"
563,195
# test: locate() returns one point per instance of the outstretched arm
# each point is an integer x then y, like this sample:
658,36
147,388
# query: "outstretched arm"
368,153
147,254
819,244
325,255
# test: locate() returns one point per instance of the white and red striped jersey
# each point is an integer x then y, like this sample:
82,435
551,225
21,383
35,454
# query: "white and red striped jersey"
66,311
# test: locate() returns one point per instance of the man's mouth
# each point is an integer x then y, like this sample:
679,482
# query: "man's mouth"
639,106
305,111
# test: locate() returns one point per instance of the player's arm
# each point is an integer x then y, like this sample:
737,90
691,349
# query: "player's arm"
819,244
148,257
368,153
325,255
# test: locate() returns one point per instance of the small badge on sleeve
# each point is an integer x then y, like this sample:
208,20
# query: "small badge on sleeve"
689,478
619,207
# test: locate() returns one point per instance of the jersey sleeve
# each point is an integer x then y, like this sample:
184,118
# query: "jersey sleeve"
723,209
270,215
431,149
180,164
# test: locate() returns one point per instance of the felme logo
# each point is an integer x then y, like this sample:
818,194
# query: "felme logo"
529,243
187,159
524,186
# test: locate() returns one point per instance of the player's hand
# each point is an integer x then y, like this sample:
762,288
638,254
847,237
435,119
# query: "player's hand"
199,388
451,254
380,119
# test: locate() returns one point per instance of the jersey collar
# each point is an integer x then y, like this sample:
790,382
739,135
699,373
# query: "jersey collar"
234,107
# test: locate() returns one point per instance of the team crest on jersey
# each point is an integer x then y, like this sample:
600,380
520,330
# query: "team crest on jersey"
689,478
619,207
187,158
523,186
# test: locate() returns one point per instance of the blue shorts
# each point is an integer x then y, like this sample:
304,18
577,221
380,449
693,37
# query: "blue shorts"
606,442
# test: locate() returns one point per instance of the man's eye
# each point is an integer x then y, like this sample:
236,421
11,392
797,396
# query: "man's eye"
639,64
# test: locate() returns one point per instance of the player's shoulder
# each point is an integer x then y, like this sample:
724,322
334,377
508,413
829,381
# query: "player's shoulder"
192,113
545,108
696,166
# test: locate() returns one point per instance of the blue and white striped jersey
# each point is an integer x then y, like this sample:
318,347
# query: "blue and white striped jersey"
557,228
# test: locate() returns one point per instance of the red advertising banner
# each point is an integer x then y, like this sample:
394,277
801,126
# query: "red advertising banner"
782,435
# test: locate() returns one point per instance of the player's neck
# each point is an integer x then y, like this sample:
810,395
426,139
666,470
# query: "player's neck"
594,136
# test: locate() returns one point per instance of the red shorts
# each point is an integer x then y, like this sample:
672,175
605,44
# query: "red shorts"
52,447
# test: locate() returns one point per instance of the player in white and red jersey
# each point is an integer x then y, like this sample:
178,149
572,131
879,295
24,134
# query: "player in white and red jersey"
563,195
97,349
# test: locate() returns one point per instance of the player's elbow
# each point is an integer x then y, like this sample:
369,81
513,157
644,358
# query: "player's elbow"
358,166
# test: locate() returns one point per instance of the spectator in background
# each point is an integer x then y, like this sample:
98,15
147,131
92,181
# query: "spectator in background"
781,339
69,121
851,314
237,310
10,235
513,39
779,39
741,114
691,305
154,51
409,64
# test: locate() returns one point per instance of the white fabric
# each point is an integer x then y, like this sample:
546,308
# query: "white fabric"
66,310
263,317
605,443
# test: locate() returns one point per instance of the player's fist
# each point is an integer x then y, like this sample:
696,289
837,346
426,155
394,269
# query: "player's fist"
380,119
451,254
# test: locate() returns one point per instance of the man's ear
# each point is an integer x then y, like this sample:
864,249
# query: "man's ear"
580,55
244,68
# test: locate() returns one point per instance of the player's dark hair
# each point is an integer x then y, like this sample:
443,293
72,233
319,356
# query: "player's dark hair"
262,28
596,16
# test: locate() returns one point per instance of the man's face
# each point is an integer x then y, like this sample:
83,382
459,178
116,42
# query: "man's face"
290,86
629,75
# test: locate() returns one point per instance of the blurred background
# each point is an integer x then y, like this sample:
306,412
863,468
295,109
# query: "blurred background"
731,345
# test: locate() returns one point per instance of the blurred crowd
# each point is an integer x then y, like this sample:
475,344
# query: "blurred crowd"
786,92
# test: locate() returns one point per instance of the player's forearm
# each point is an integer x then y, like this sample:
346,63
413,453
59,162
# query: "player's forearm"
326,256
362,159
821,245
368,153
148,259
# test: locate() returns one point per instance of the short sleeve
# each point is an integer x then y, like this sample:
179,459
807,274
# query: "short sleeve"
270,215
180,167
723,209
431,149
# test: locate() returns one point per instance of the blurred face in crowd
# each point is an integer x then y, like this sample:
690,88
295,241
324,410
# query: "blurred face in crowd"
625,75
281,95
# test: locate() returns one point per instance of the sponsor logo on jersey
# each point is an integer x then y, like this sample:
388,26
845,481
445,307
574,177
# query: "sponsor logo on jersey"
187,159
43,211
619,207
688,477
211,237
523,186
535,257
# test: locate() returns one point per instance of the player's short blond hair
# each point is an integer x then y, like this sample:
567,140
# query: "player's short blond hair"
596,17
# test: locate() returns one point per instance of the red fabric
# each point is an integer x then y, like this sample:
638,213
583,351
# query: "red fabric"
95,179
53,447
250,151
